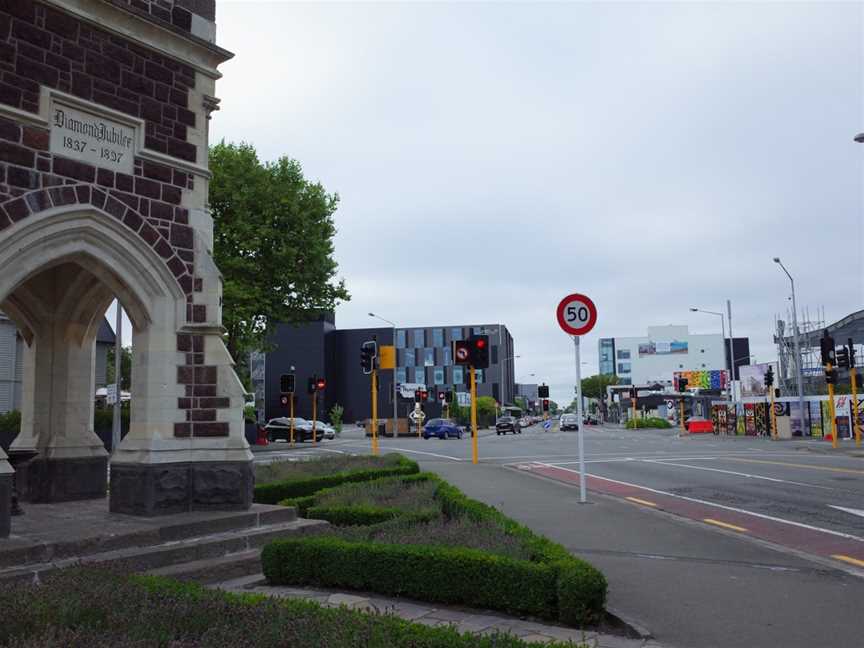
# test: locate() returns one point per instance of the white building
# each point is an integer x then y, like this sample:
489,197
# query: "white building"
655,357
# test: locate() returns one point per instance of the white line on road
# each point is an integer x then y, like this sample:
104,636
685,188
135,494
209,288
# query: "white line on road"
431,454
848,510
673,462
848,536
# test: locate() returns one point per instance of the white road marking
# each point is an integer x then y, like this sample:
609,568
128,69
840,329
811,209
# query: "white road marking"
839,534
853,511
431,454
673,462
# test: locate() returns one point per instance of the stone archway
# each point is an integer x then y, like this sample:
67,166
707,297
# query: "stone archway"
59,270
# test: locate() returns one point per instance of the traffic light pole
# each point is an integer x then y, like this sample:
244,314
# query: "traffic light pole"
375,412
773,415
474,458
291,397
314,415
834,444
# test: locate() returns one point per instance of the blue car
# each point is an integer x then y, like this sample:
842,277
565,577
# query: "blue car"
441,428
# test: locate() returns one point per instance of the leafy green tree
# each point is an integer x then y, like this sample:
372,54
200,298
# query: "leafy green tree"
336,413
125,368
273,242
595,386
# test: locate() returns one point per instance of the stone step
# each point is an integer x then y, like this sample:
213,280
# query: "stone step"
214,570
174,553
129,532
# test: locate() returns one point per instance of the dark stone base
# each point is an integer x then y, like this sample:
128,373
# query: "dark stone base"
5,505
161,489
62,480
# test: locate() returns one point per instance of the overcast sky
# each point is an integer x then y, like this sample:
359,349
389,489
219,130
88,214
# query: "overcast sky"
492,158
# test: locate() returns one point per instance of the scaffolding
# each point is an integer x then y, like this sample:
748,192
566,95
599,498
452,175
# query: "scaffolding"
809,326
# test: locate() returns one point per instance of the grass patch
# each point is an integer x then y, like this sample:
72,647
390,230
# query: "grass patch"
649,422
281,470
89,608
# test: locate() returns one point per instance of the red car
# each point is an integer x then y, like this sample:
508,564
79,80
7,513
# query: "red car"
698,425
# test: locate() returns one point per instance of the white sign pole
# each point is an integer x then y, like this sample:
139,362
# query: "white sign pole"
582,497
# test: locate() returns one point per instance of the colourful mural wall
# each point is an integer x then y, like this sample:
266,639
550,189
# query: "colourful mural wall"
715,379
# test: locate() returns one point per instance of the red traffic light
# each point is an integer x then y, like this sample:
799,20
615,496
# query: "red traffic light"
424,395
480,342
321,384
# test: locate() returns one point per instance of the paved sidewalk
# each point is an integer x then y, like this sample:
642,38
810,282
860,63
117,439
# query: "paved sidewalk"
464,620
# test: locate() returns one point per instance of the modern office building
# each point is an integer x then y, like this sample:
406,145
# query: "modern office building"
528,391
423,357
665,350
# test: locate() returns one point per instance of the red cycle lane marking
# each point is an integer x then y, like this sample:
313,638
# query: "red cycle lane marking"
787,533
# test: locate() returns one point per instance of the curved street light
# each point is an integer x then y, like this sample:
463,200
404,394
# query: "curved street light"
798,367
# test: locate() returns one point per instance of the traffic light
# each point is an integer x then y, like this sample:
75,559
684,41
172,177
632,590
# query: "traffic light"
634,393
479,351
543,391
368,355
769,377
313,382
831,377
286,384
461,352
424,395
842,357
417,395
827,347
320,384
448,396
682,384
545,404
442,396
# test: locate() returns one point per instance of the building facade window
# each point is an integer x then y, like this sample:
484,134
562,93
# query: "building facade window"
447,357
624,367
408,357
428,357
420,375
419,338
496,392
439,376
479,373
456,334
494,354
624,354
401,375
438,337
458,375
607,356
400,338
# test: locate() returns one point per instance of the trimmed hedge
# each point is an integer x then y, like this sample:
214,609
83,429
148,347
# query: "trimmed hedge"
95,608
436,574
365,515
275,492
650,422
553,584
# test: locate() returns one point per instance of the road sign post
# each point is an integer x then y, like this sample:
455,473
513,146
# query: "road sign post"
577,315
375,413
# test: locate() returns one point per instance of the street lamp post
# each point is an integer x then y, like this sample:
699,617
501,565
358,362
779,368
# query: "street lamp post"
395,366
798,367
726,360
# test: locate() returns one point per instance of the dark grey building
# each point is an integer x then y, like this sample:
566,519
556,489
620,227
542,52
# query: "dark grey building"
423,357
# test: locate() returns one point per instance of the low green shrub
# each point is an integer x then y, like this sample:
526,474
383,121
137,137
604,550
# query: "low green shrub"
275,492
557,585
650,422
365,515
453,575
10,422
92,608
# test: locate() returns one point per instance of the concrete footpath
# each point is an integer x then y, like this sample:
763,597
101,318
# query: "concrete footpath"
691,586
463,619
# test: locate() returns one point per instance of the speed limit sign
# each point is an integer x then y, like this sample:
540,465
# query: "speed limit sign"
577,314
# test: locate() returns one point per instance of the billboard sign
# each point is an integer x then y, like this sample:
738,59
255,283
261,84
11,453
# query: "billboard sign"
753,379
662,348
703,379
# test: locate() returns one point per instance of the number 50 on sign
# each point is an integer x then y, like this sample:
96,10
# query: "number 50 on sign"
577,314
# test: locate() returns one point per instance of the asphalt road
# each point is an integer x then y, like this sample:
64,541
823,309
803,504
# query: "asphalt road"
706,541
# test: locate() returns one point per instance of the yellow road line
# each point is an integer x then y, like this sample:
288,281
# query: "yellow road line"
641,501
849,559
850,471
725,525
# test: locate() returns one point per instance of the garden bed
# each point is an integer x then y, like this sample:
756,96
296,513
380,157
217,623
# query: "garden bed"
418,536
280,480
88,608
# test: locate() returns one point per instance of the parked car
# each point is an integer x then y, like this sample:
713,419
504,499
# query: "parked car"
442,429
329,430
507,424
569,422
280,428
525,422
